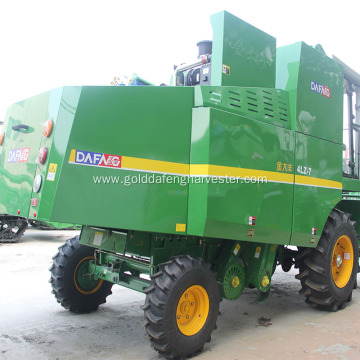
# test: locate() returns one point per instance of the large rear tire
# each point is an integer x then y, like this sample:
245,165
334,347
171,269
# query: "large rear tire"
71,283
181,307
328,272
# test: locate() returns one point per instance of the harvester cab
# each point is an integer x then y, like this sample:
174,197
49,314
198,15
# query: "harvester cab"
193,192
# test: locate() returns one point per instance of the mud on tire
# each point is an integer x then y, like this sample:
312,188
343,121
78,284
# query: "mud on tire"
66,279
328,272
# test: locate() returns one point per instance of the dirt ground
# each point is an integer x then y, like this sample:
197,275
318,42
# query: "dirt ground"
34,326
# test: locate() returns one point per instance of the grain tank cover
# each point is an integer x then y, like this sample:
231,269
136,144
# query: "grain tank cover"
315,85
242,55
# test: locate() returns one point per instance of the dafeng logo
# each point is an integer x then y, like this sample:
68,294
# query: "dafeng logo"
320,89
90,158
18,155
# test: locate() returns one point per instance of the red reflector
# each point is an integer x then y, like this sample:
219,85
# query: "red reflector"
42,155
47,128
18,212
2,134
34,202
35,213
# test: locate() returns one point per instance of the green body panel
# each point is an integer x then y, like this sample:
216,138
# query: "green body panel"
316,201
17,177
235,142
267,105
62,112
300,70
140,123
249,53
17,174
316,117
350,184
108,240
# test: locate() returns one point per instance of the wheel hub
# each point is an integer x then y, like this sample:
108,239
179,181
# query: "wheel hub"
192,310
85,282
233,281
342,261
338,261
184,308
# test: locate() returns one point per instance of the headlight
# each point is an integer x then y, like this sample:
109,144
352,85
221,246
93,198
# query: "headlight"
47,128
42,155
37,183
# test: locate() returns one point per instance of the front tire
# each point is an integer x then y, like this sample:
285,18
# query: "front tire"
71,283
328,272
181,307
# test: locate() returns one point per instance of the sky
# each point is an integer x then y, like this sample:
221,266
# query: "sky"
46,44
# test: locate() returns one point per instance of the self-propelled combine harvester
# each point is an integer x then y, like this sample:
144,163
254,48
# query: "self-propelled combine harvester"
192,192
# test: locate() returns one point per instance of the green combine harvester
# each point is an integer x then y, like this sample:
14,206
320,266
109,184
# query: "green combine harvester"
192,192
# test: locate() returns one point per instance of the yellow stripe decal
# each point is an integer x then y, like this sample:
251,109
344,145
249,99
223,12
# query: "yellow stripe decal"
223,171
312,181
165,167
215,170
154,166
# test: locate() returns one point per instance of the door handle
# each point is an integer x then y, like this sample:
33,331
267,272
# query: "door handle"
20,126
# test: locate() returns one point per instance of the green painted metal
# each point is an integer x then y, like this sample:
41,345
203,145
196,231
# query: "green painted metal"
17,173
121,259
140,123
116,275
316,201
242,54
261,261
85,276
61,111
350,184
230,271
267,105
105,239
153,172
317,120
300,69
18,176
235,142
150,249
234,281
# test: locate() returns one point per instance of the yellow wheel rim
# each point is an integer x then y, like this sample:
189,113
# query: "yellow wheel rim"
342,261
192,310
86,285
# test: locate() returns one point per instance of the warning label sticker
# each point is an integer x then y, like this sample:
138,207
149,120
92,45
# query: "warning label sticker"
98,238
226,70
51,172
180,227
257,252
